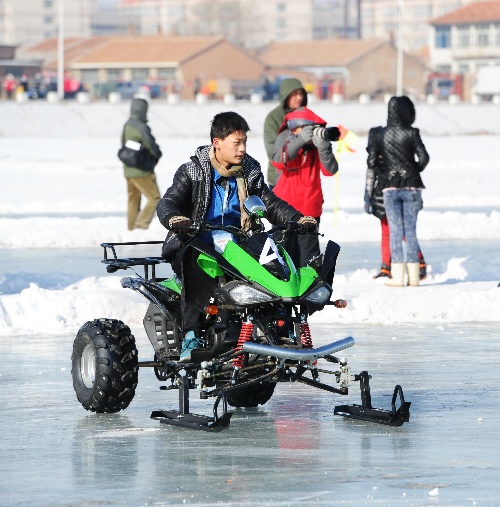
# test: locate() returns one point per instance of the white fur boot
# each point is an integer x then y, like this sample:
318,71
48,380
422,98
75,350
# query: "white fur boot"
413,274
398,274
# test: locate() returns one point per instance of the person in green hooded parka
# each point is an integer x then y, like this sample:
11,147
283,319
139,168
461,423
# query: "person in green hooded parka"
141,180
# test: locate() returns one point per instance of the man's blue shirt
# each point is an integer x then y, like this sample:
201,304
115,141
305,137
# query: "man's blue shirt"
224,206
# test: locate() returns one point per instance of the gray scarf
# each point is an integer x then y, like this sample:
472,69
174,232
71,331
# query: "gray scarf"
237,172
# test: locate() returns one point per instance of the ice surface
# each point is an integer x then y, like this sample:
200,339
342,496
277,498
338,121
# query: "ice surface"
292,451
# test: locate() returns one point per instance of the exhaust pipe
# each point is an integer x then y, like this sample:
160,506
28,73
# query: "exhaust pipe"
298,355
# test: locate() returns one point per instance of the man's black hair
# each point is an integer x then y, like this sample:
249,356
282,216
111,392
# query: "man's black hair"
224,124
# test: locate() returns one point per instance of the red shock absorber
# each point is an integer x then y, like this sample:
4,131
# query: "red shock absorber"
305,336
245,335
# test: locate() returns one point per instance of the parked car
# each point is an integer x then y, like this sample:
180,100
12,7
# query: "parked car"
127,89
487,84
40,89
442,85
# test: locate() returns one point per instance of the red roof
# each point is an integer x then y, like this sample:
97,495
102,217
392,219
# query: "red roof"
477,12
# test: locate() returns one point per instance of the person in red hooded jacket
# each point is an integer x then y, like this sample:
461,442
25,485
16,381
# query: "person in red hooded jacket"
302,152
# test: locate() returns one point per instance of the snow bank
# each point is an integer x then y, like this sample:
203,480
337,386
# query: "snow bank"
440,299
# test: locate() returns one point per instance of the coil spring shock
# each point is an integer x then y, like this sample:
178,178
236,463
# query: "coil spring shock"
305,336
245,335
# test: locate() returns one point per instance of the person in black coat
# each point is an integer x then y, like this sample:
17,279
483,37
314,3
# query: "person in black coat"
399,155
374,205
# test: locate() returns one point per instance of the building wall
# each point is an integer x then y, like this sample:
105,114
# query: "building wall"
26,22
247,23
468,49
235,68
225,63
335,18
376,73
380,19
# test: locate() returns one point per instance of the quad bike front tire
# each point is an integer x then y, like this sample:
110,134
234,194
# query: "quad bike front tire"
251,396
104,366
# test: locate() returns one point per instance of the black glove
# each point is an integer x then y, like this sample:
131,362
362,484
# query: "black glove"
178,221
307,223
368,203
306,134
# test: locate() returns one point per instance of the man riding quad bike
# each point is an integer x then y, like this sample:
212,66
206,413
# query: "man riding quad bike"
233,321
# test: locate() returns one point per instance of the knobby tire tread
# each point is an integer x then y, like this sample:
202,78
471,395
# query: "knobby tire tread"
116,368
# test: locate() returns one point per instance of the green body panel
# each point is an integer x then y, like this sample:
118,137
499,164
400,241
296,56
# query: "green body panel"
172,284
209,265
300,280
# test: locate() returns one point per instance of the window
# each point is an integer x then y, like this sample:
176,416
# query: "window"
89,75
114,74
483,35
390,12
442,37
48,20
443,69
281,23
391,28
497,34
281,6
463,36
463,68
421,11
47,3
140,73
421,42
167,74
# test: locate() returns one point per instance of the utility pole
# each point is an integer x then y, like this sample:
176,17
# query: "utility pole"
358,5
60,51
346,19
399,65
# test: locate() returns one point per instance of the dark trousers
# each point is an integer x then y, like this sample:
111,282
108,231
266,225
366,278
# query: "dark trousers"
197,288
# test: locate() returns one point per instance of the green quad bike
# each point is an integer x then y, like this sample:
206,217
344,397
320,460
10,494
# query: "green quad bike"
256,332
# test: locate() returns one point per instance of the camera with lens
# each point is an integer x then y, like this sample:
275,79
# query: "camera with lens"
329,133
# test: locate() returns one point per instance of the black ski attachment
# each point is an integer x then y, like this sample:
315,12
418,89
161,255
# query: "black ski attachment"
365,411
182,417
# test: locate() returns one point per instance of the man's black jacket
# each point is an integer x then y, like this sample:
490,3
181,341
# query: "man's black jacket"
191,193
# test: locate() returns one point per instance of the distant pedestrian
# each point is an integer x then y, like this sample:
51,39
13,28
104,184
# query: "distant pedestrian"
23,83
374,205
141,156
196,86
9,85
212,88
292,95
404,157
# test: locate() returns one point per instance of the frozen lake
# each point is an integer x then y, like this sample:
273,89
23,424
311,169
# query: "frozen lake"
292,451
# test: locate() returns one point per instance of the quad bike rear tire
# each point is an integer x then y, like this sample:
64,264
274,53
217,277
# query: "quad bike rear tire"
251,396
104,366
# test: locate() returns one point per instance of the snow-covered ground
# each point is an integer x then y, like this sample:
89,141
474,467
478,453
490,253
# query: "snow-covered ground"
61,187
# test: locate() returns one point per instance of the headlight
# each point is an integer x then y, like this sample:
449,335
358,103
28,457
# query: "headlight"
244,295
319,296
